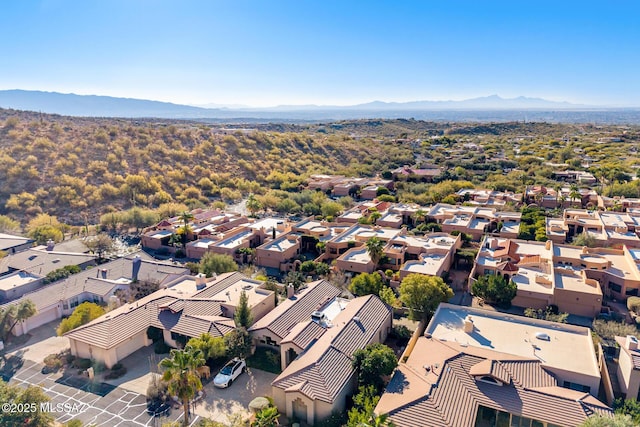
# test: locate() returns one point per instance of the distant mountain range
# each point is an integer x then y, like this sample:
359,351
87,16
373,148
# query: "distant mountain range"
107,106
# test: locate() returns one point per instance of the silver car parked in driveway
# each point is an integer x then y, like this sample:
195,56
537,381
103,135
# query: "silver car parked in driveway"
229,372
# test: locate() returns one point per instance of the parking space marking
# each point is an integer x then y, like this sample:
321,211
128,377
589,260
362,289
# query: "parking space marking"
123,407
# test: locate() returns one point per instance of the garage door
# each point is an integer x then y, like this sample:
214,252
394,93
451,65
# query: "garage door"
41,318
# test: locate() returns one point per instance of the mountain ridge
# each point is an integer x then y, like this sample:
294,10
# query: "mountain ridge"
109,106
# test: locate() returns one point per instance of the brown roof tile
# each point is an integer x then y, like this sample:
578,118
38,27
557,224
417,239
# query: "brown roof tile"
325,367
281,320
450,394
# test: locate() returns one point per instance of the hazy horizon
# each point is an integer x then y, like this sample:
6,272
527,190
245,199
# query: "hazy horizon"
259,54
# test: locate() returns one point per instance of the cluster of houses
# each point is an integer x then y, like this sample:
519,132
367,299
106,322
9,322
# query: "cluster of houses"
280,246
341,186
469,367
607,228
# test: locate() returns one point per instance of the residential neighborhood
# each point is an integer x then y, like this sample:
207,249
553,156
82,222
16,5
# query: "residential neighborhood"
307,327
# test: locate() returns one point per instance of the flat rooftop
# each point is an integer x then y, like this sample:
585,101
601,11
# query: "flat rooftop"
267,223
366,233
235,240
570,347
202,243
525,279
357,255
16,280
160,234
281,244
428,264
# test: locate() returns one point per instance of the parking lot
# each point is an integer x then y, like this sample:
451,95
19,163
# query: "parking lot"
96,404
122,402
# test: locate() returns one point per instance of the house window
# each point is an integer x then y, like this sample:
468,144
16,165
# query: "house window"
74,302
631,292
489,417
615,287
576,386
65,305
271,342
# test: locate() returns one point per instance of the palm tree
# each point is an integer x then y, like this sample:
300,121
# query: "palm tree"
557,189
174,239
419,216
180,374
253,204
15,313
374,215
375,248
563,199
185,217
378,421
574,194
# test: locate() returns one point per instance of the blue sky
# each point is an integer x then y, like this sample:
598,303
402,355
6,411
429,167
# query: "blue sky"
264,53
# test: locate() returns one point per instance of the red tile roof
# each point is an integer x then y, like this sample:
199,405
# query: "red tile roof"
450,394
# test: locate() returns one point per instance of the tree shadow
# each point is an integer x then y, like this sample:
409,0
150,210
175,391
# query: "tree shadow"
11,364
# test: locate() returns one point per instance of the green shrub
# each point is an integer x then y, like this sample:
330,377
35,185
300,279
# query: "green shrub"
161,347
154,334
82,363
53,361
633,304
116,372
99,367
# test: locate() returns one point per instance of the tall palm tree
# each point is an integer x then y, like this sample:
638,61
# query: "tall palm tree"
186,217
180,374
574,194
557,189
375,248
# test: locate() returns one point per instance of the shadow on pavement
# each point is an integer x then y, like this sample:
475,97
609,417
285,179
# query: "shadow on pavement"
85,384
10,365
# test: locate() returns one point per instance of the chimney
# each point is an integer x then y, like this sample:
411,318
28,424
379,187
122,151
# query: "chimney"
137,262
50,245
201,281
280,226
631,343
290,290
104,273
273,233
468,324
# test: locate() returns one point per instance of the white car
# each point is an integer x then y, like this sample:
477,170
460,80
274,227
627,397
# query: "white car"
229,372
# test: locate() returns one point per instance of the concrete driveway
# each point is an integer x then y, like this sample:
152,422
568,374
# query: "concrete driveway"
222,404
218,404
43,342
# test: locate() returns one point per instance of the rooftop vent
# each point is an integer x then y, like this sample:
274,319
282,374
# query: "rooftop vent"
543,336
201,281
